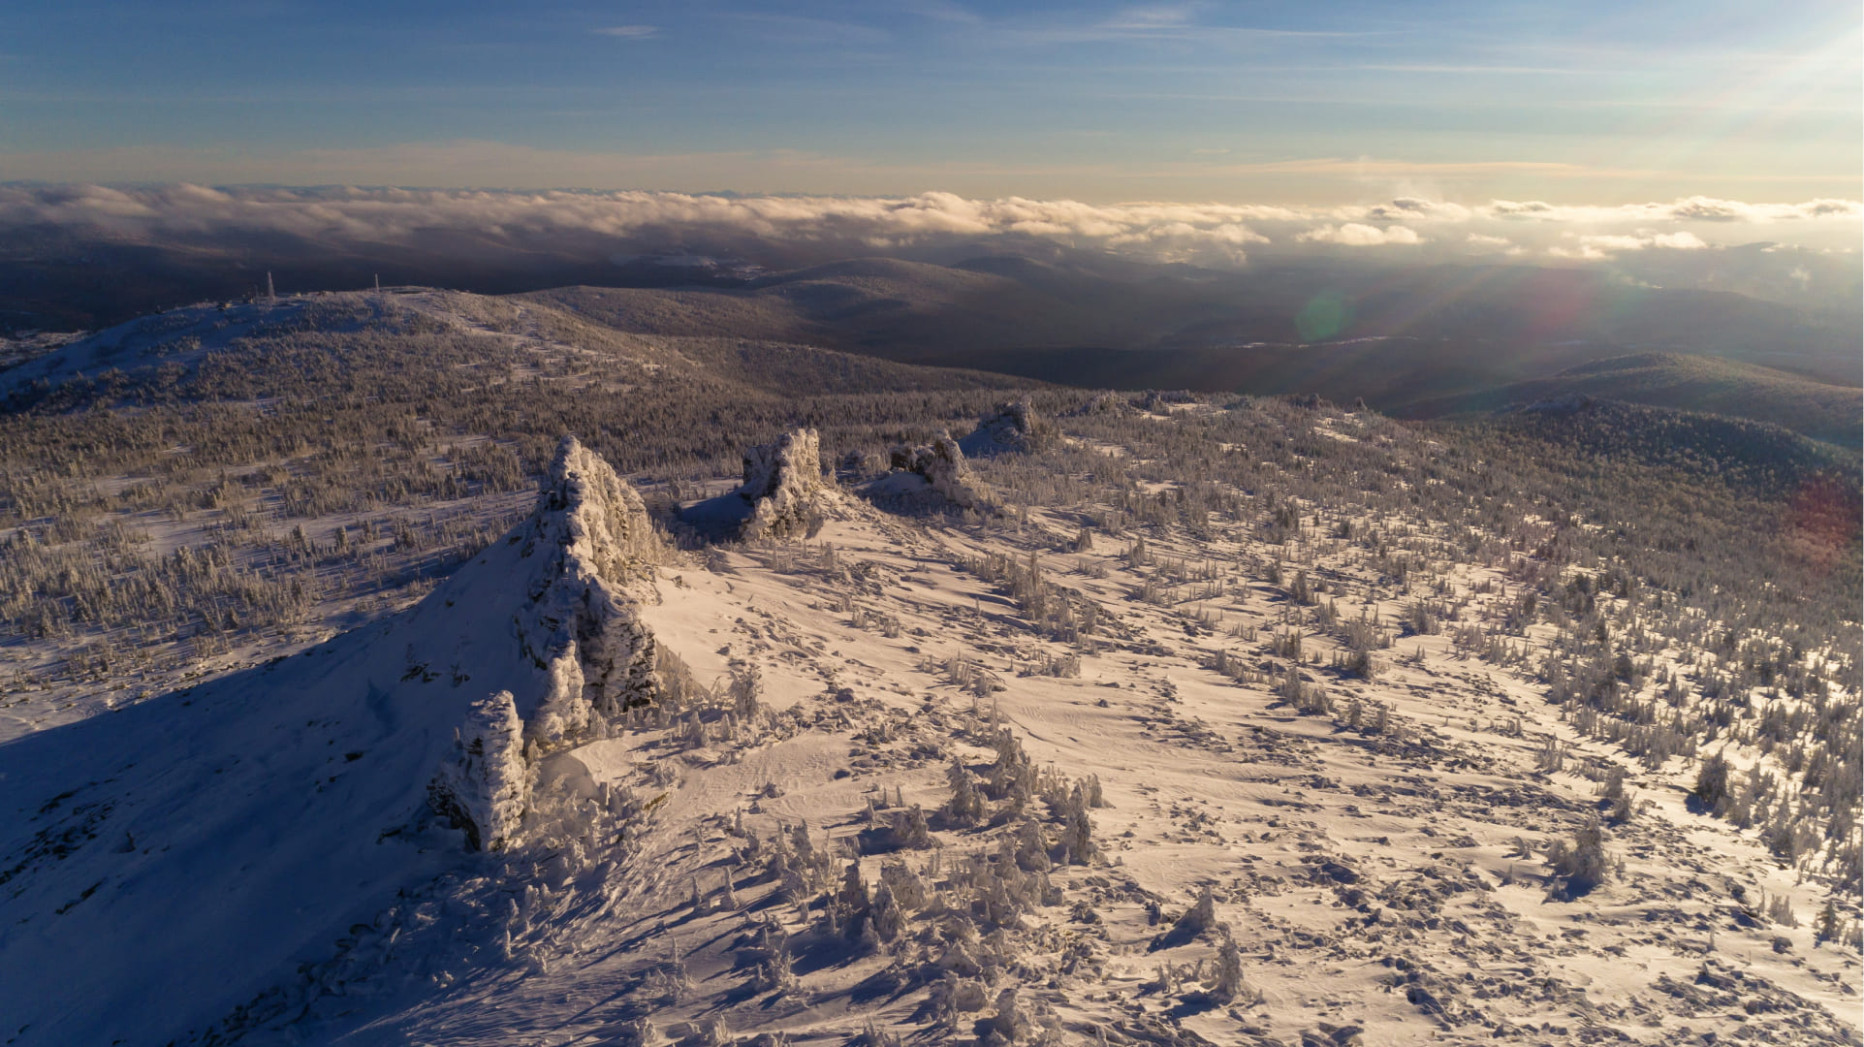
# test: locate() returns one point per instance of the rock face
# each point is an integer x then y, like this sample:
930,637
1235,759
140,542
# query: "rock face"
941,464
783,481
597,519
270,797
586,555
486,788
595,541
1015,428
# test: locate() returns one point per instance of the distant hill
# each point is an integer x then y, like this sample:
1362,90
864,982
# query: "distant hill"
1769,459
1697,383
1287,324
1340,330
353,332
1425,342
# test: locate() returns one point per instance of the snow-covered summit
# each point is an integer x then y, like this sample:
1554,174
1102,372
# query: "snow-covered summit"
178,337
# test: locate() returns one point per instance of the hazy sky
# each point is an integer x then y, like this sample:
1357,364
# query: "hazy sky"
1309,103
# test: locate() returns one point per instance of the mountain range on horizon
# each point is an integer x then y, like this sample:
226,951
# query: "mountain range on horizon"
1417,342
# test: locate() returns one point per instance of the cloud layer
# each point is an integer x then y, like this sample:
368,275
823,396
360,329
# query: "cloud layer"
1203,233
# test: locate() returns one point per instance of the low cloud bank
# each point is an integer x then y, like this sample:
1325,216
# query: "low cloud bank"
1209,234
1358,234
1611,244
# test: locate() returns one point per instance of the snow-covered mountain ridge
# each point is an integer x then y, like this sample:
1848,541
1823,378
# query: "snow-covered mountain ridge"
226,833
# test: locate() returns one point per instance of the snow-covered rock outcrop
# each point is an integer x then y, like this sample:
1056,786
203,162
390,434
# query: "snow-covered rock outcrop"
592,543
785,485
942,467
486,787
1015,428
590,549
1104,403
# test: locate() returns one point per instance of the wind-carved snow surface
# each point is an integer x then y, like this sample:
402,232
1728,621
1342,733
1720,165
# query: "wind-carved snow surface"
170,863
785,485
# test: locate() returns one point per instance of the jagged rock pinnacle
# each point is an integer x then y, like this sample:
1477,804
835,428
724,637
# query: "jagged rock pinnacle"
783,480
486,787
588,552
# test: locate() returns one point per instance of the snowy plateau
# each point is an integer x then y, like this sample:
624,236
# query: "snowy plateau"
1005,740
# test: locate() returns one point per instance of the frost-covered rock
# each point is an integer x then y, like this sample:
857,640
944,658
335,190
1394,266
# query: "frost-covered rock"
784,483
486,787
1009,1025
1015,428
586,553
1201,917
594,548
942,466
1105,404
1161,401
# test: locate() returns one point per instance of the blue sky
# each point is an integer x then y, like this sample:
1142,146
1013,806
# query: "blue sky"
1300,103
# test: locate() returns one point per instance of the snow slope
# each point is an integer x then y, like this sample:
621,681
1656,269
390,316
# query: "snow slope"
180,337
167,862
859,790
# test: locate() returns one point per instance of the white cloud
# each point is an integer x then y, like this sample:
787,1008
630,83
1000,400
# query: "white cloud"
1162,230
1203,233
1685,209
1482,243
630,32
1599,246
1606,246
1356,234
1412,209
